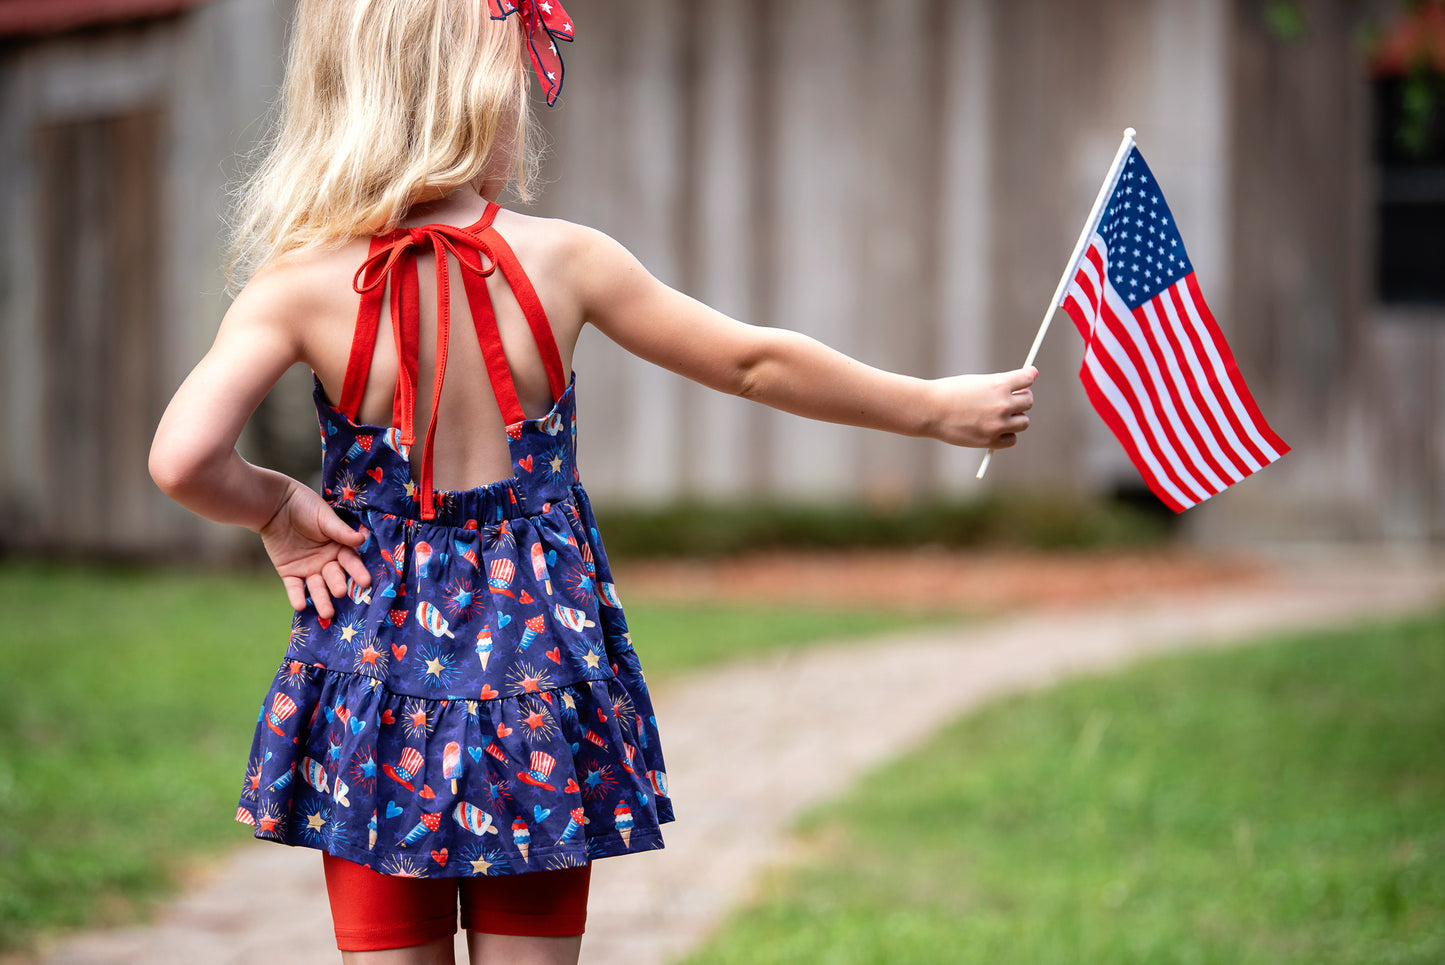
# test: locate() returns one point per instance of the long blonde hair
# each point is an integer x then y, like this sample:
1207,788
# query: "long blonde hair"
382,100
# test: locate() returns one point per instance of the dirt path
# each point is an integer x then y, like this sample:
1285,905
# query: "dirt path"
751,745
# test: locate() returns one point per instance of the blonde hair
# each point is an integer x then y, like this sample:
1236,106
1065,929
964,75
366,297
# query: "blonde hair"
382,100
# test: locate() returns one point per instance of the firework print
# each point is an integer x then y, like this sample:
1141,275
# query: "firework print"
479,709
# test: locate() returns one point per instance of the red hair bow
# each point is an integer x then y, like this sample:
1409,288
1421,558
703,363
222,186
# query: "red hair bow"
545,23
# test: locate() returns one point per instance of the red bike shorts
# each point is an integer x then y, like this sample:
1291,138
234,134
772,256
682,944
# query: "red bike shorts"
373,911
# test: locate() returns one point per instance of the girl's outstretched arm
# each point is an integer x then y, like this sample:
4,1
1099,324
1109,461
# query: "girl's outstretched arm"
193,457
788,370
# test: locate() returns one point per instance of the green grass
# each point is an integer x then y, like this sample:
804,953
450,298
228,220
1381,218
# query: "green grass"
1277,804
129,703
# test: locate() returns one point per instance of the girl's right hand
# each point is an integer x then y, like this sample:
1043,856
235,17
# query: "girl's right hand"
313,550
985,411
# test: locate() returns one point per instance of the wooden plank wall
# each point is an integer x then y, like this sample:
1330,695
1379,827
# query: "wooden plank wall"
878,176
785,163
115,145
901,179
1355,385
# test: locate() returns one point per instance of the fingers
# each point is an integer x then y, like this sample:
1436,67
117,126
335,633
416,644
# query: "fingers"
1004,441
295,592
1020,378
337,530
335,578
320,596
354,567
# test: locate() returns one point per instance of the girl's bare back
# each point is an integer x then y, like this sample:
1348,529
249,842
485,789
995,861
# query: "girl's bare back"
470,447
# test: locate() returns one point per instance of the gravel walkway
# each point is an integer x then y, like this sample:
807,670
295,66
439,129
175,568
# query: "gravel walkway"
739,778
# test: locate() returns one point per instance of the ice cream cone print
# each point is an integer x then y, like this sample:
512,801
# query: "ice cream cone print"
284,780
541,769
452,763
427,824
575,821
484,646
362,444
521,837
466,551
623,815
535,625
371,833
539,566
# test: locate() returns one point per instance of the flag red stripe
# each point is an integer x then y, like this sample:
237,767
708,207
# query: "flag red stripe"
1145,412
1177,455
1202,415
1231,431
1178,499
1209,406
1275,442
1105,407
1147,327
1231,412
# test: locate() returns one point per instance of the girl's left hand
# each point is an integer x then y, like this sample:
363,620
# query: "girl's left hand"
313,550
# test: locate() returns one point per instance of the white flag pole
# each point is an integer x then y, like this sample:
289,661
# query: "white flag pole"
1108,188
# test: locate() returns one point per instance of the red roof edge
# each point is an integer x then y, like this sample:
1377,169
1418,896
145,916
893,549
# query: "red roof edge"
30,18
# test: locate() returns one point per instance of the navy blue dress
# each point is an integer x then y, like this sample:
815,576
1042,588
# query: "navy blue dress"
479,709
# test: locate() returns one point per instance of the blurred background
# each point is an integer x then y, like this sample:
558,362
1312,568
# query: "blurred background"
903,180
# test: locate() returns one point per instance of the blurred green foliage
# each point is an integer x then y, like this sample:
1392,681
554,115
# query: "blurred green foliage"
1277,804
1031,522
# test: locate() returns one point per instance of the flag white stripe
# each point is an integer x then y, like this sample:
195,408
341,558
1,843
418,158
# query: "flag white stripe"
1245,419
1086,265
1190,395
1104,337
1215,403
1142,445
1130,323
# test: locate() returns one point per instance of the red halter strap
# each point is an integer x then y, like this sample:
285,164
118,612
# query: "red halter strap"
479,250
396,259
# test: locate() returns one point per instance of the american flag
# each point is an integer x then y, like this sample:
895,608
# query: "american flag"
1156,365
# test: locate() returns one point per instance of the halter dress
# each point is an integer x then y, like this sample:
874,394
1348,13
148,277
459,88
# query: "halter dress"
479,709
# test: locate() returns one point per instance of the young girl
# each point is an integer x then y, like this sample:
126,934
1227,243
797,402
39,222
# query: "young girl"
460,701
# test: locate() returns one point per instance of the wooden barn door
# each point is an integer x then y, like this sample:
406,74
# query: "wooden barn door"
99,185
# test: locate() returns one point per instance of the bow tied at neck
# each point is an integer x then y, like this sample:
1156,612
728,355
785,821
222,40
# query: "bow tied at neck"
471,251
